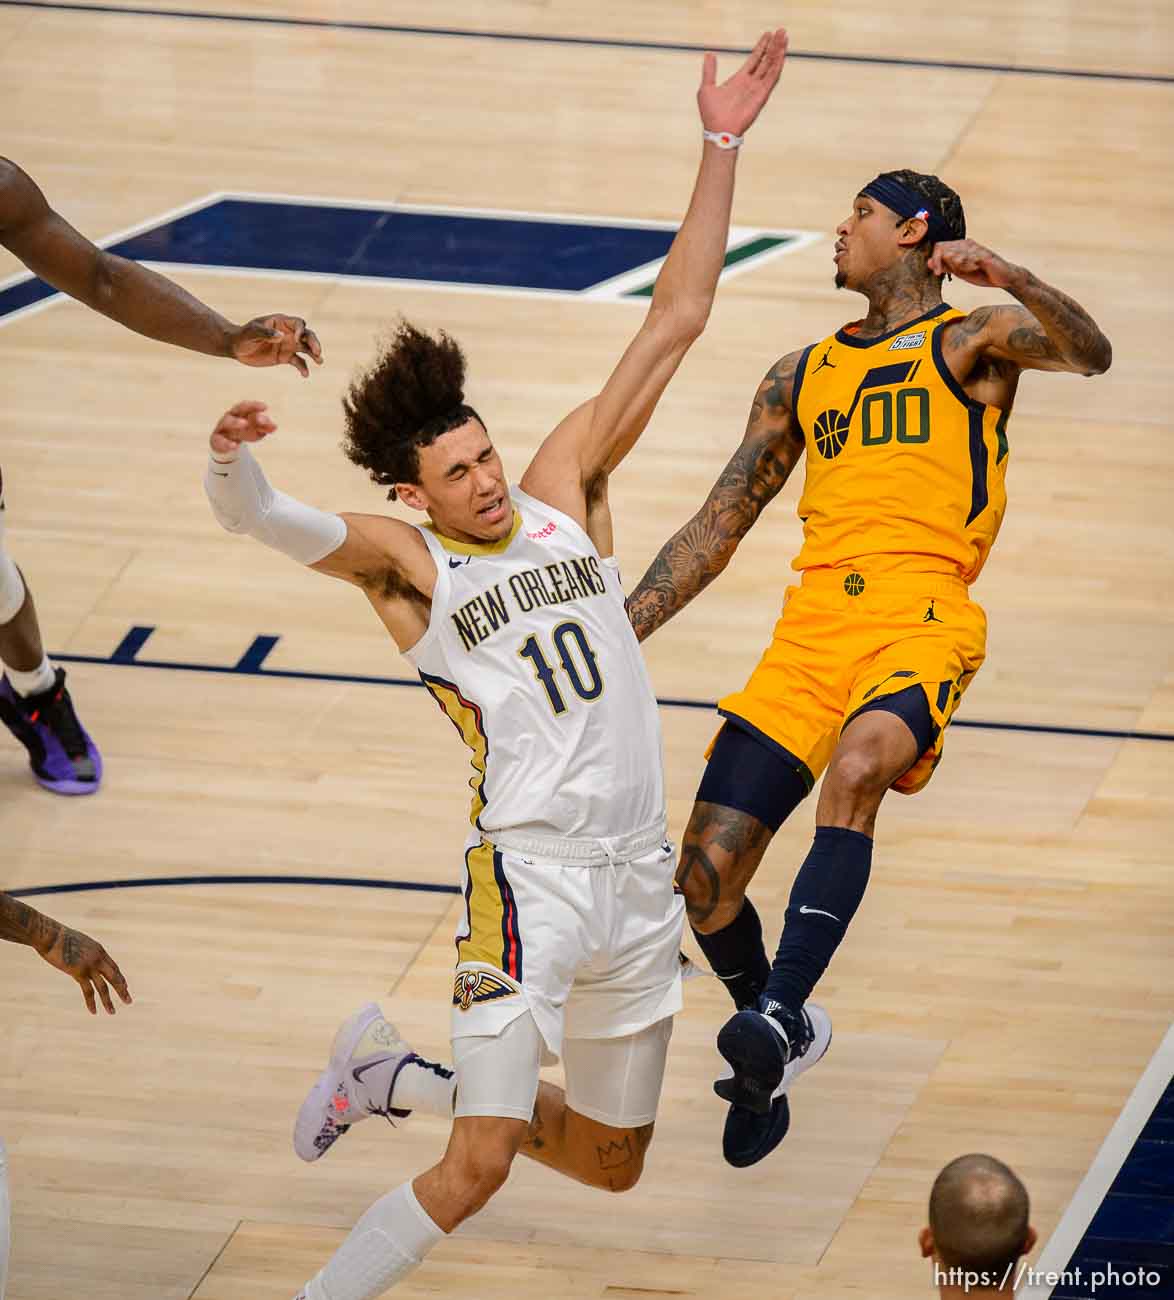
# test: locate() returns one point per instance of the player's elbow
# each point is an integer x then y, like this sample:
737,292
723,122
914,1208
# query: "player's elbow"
680,322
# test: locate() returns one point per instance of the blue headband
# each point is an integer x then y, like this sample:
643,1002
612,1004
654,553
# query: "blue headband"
908,203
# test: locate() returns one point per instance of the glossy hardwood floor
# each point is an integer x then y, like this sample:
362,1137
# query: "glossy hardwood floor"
1010,972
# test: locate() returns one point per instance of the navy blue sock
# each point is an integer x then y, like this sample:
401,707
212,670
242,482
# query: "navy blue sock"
737,956
824,898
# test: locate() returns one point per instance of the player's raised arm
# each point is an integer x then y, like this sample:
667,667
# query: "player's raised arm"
134,296
71,952
696,553
1050,331
595,437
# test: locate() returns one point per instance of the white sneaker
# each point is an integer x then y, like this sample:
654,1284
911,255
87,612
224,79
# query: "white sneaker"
821,1038
340,1099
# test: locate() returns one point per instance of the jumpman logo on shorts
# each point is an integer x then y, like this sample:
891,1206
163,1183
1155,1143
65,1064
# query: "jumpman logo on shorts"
930,616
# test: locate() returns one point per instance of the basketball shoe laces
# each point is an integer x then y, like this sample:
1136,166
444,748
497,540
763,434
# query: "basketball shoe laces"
387,1110
57,714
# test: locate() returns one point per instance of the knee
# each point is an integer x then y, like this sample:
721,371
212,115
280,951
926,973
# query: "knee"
622,1161
710,901
859,774
470,1182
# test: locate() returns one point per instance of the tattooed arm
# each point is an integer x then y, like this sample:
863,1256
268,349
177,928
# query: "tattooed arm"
1050,331
695,554
70,951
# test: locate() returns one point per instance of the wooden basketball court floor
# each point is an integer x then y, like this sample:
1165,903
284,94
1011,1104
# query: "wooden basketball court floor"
1011,971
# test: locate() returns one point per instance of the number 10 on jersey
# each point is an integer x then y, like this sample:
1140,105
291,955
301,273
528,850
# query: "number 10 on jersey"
578,661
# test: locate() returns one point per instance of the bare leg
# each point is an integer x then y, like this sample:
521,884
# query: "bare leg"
581,1148
21,647
480,1151
719,856
876,749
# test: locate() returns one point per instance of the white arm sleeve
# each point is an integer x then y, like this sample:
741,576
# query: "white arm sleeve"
244,502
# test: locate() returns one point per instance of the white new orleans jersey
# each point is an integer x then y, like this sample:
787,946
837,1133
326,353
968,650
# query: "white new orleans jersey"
530,653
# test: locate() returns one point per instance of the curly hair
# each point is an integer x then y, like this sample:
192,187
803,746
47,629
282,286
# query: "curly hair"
412,393
938,195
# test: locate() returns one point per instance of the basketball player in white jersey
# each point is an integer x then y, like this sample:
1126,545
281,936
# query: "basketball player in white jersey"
509,605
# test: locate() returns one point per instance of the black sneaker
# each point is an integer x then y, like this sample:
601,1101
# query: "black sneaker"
767,1051
63,757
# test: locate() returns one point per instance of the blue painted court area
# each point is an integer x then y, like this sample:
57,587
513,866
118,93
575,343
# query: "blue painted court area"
471,249
390,244
387,244
1127,1251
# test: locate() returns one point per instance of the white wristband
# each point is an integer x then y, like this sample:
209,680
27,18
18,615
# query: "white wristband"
723,139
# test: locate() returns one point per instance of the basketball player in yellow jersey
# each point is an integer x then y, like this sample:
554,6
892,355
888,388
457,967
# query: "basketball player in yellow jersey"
904,419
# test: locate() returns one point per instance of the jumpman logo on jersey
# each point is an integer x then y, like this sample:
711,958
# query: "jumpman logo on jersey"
823,361
930,616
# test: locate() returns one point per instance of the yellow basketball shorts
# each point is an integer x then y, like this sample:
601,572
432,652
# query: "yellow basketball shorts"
846,639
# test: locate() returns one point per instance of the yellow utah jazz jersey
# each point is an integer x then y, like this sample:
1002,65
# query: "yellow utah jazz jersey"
904,470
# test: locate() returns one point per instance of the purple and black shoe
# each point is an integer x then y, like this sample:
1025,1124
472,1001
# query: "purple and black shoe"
63,757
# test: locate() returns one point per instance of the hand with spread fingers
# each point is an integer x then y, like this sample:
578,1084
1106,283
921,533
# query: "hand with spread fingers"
244,422
85,960
277,341
971,262
69,951
733,106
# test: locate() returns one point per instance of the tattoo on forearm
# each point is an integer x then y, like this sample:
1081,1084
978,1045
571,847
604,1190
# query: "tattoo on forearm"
1060,331
691,559
71,947
20,923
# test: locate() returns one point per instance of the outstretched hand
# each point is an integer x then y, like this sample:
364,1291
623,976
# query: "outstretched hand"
85,960
277,341
733,106
244,422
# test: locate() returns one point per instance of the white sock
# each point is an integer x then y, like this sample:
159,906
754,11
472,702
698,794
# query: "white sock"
34,682
421,1085
386,1244
4,1229
425,1086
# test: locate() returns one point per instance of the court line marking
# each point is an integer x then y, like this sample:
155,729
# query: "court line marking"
350,882
613,290
1094,1187
596,42
252,664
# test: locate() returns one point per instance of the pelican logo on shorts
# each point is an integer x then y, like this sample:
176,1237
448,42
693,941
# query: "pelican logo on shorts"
479,986
854,584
